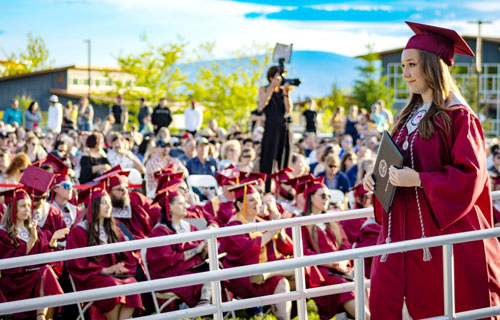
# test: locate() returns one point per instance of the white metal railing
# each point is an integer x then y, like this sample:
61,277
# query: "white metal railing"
215,276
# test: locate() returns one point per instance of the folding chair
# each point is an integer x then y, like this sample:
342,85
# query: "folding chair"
201,181
337,197
169,296
86,306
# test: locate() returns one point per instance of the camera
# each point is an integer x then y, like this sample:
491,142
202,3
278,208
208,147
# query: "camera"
292,82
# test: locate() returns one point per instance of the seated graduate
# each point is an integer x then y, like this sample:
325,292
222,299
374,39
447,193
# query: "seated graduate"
251,248
99,227
181,258
20,236
361,200
49,218
130,209
62,195
323,238
285,193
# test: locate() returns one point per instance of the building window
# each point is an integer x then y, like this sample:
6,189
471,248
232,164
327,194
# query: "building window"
108,82
98,82
86,82
396,81
128,83
75,81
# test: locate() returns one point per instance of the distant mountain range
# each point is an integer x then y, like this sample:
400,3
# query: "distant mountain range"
317,70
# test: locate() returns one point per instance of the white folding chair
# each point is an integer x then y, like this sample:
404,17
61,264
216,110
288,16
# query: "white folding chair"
86,306
337,197
201,181
169,296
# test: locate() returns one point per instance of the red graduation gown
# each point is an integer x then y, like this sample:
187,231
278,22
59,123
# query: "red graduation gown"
54,220
455,198
368,236
86,272
140,224
168,261
221,212
325,242
242,250
352,228
24,282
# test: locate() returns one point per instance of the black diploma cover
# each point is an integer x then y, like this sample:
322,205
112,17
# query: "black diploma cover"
388,155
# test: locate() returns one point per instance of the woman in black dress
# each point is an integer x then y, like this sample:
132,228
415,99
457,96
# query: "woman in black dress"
276,104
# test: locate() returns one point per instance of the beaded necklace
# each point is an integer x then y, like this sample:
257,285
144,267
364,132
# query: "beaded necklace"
411,137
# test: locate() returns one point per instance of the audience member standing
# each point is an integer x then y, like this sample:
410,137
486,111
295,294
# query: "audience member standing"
144,112
311,117
13,114
120,114
32,116
193,118
162,117
85,115
54,120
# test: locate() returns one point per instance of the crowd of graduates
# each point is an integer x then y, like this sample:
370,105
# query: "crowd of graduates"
78,189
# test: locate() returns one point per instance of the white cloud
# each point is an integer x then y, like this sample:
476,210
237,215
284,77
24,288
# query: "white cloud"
351,6
483,6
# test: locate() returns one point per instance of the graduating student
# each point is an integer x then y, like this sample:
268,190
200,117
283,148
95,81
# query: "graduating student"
62,195
131,209
49,218
443,189
20,236
251,248
99,227
323,238
181,258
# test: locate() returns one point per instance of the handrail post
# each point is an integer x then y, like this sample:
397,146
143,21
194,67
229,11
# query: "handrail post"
359,287
448,281
216,288
300,283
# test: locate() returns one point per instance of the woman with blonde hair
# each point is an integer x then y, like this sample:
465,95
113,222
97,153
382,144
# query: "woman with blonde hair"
230,154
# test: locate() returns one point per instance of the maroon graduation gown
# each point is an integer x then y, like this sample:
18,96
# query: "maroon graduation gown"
221,212
51,220
352,228
140,223
86,272
455,198
316,240
368,236
168,261
24,282
242,250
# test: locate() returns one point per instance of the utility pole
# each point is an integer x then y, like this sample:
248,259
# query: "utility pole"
479,67
90,82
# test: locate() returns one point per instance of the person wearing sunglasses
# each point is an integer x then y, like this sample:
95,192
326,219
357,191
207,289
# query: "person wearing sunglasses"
62,193
230,153
334,178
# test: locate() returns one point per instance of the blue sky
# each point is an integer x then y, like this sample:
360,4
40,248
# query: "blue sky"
115,26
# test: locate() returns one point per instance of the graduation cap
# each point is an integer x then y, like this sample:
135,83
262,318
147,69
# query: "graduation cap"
440,41
242,190
37,180
359,191
117,168
260,178
166,195
168,169
113,178
91,193
313,185
299,183
280,176
53,162
228,176
11,196
169,179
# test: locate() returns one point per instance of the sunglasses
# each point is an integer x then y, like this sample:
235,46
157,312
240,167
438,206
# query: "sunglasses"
332,166
324,196
348,141
67,186
21,170
231,149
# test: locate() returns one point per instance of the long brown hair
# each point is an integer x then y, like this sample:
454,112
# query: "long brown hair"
109,225
19,161
440,81
9,225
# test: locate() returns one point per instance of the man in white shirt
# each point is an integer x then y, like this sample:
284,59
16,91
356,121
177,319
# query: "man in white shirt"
193,118
54,120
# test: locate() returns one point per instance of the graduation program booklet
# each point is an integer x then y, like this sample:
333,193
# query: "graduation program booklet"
388,155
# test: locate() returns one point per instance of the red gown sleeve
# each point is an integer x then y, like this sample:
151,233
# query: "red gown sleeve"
453,191
82,268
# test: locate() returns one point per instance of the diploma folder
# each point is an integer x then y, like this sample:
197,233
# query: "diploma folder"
388,155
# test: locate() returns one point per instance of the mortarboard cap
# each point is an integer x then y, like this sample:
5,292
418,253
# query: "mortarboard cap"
313,185
169,179
168,169
228,176
37,180
114,178
279,176
91,193
165,195
299,183
440,41
260,178
11,196
57,165
242,190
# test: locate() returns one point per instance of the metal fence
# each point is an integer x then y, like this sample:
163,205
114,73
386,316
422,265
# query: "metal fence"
298,262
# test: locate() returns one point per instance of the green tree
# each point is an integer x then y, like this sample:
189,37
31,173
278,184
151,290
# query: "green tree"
336,98
229,88
33,58
371,85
